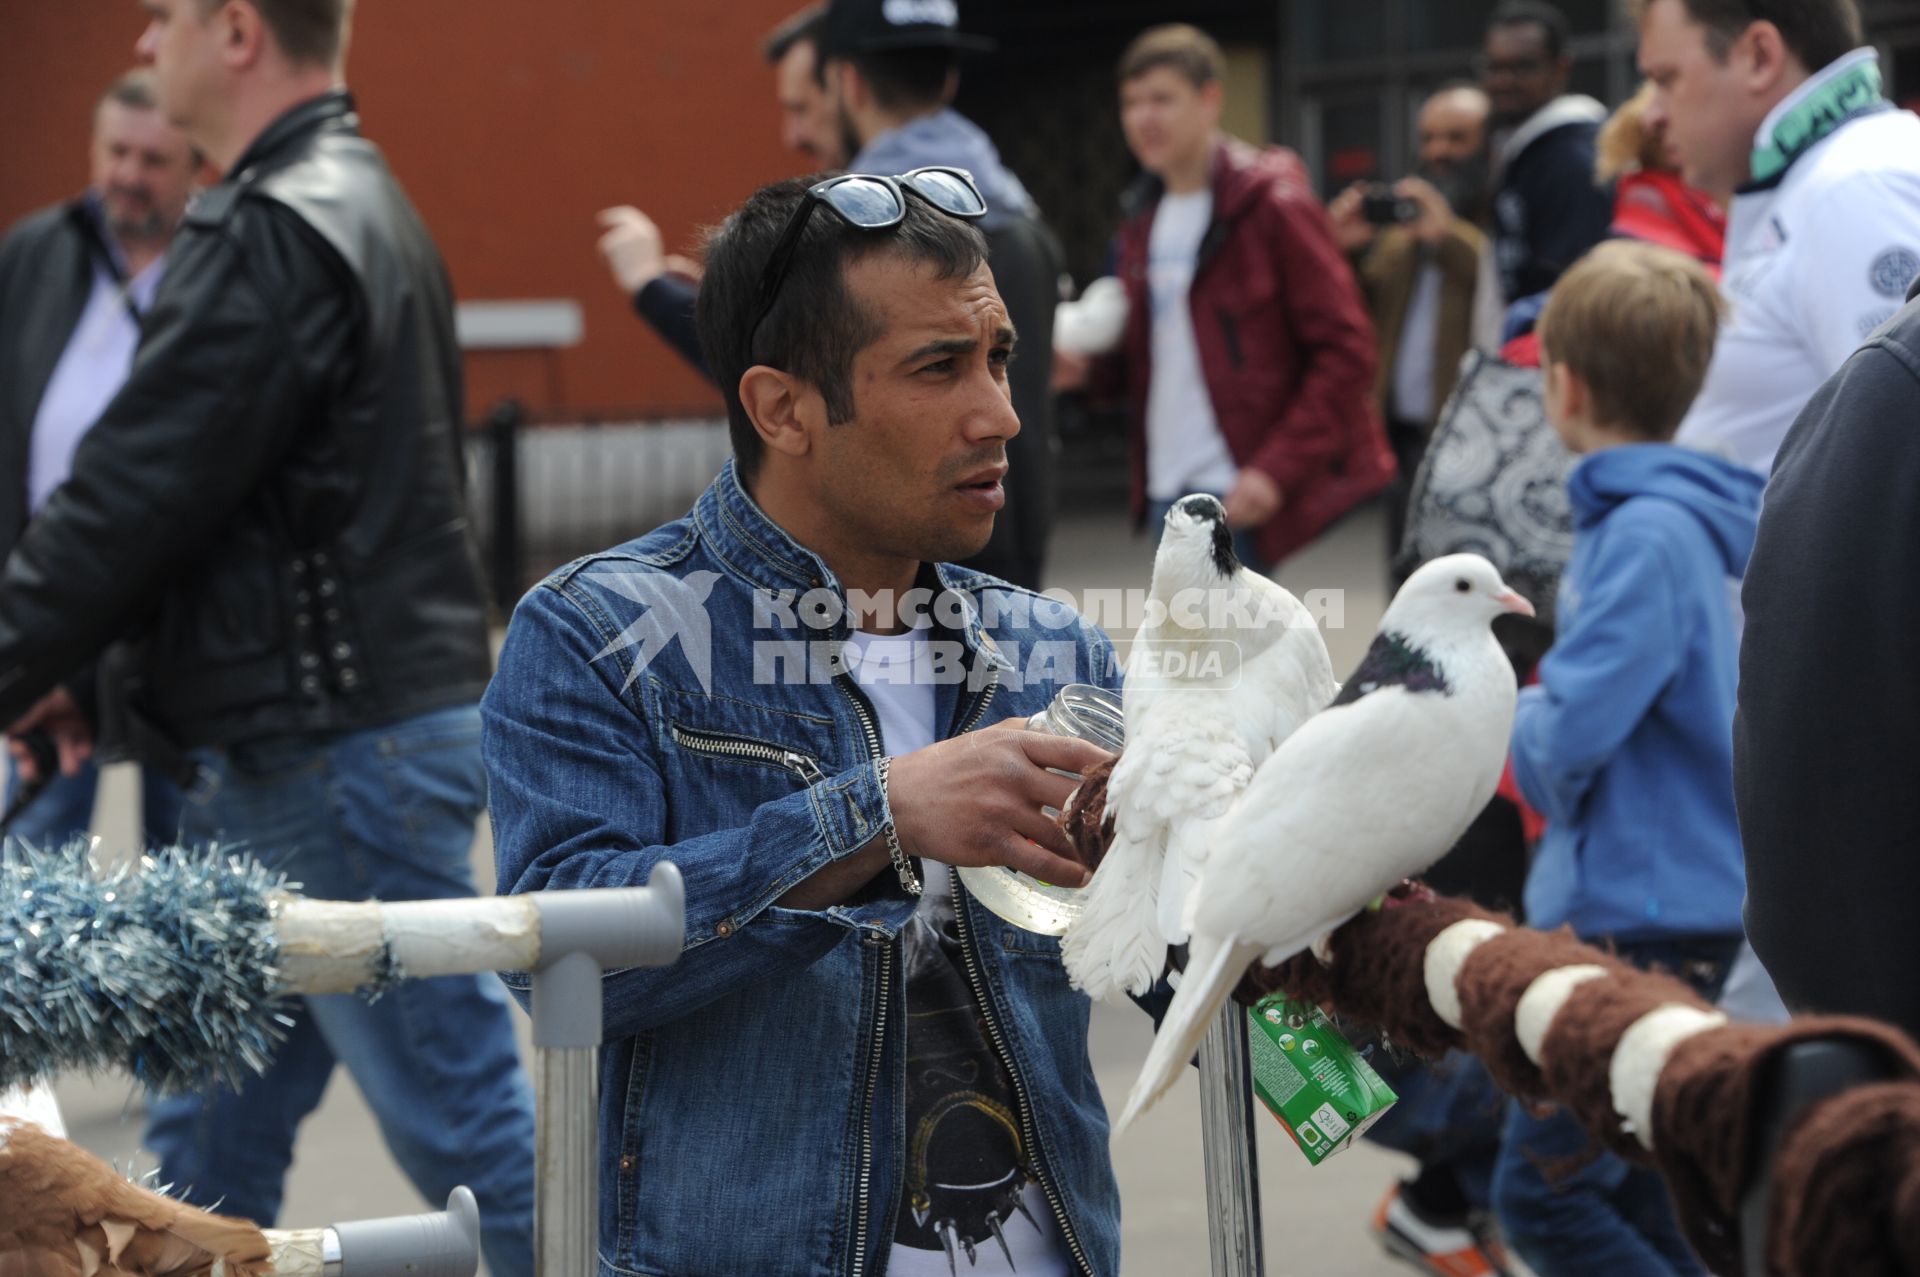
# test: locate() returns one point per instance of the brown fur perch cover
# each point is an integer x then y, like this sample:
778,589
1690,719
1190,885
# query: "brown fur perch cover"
1847,1176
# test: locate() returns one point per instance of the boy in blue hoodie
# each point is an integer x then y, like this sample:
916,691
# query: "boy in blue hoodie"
1626,744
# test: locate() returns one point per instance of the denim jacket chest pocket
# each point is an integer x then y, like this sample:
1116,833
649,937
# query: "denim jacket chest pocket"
722,757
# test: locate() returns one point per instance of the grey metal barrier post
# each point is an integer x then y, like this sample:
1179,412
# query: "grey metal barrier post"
442,1244
582,934
1226,1137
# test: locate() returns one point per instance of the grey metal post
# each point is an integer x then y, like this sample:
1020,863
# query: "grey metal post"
442,1244
566,1039
582,933
1226,1141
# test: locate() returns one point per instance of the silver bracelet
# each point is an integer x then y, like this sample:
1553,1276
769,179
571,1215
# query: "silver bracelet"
895,852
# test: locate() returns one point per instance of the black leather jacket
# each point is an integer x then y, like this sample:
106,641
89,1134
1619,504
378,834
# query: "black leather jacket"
272,506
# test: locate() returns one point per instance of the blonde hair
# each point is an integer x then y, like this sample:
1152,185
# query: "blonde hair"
1636,323
1626,144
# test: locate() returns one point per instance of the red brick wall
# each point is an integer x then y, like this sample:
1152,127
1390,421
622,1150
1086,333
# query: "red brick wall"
511,125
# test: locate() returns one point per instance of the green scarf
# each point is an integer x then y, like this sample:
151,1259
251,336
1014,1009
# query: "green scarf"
1855,92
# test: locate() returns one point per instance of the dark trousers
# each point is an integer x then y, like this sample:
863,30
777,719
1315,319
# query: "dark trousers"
1607,1218
1409,442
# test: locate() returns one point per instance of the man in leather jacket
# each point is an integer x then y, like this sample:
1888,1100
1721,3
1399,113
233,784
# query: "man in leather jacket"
271,510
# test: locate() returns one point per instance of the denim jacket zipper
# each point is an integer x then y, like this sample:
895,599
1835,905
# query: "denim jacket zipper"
723,746
883,1001
863,1197
1030,1133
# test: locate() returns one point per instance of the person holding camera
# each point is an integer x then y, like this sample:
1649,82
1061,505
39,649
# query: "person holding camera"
1421,260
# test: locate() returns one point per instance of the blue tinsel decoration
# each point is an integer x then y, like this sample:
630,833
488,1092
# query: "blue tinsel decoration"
165,968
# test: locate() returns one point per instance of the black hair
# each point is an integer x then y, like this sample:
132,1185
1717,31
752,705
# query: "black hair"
803,27
1554,31
905,79
816,326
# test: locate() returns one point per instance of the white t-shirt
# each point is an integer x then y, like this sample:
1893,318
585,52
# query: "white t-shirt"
965,1125
90,373
1813,265
1185,449
896,674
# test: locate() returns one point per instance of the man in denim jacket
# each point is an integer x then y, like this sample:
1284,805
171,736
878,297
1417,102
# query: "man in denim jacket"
839,1076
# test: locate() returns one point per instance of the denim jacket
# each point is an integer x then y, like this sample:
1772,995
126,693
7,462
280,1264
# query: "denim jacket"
668,700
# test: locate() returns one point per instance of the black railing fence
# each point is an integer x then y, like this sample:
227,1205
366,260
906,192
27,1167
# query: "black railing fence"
543,493
544,490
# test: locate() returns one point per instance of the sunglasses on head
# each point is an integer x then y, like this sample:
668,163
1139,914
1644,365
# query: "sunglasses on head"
868,202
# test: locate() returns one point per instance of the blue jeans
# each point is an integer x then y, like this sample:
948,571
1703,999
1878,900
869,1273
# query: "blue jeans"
1243,545
389,814
1449,1118
64,809
1608,1217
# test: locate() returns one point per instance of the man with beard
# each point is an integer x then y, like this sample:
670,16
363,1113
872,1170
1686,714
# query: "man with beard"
75,283
890,73
1421,272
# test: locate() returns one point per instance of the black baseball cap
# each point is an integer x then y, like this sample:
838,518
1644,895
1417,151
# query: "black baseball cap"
876,26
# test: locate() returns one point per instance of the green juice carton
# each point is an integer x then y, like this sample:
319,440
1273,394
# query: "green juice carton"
1311,1078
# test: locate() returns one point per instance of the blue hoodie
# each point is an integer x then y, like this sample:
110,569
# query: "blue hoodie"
948,137
1626,746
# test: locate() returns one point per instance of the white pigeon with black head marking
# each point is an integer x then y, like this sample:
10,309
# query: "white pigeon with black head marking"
1373,789
1226,666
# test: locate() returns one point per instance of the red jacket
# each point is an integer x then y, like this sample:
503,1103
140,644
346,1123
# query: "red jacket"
1285,343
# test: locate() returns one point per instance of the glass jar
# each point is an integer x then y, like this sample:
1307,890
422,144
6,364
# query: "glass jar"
1087,713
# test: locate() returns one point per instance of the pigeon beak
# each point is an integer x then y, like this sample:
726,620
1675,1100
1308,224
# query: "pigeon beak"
1514,603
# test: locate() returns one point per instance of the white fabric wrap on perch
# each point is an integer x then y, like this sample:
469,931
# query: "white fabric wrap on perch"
1641,1056
329,946
1533,1014
1446,954
301,1254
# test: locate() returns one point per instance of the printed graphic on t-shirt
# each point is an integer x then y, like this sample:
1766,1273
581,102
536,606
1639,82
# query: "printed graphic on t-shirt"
970,1195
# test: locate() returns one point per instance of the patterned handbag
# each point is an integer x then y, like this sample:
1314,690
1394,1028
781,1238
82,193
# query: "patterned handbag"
1494,482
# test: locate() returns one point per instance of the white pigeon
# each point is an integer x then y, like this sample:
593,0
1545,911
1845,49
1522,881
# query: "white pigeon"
1226,666
1373,789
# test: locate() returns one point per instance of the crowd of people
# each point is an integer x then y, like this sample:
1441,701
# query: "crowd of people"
235,551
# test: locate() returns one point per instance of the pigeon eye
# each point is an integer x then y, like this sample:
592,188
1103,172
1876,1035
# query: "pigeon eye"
1461,585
